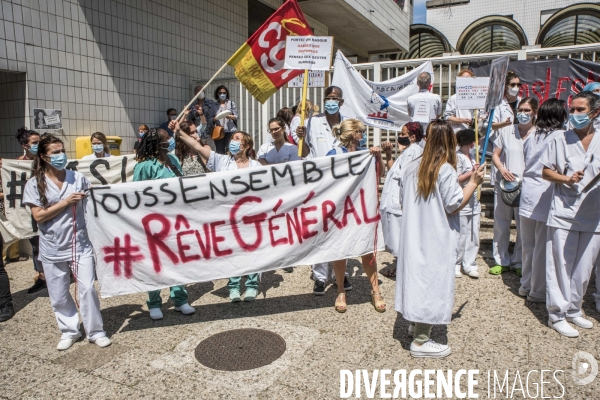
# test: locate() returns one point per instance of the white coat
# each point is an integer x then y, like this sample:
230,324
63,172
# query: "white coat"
319,136
428,247
390,207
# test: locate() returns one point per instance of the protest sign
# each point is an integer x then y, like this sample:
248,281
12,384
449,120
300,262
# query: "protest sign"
308,52
15,173
315,79
47,118
499,68
471,93
377,104
155,234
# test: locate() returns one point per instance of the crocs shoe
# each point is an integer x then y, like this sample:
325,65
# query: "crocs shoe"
498,269
563,328
581,322
102,342
519,272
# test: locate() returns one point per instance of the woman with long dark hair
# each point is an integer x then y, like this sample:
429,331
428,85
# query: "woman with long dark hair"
155,162
229,123
431,201
56,197
536,196
191,162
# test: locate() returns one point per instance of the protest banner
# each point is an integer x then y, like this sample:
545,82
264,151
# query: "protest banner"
155,234
544,79
377,104
19,224
471,93
308,52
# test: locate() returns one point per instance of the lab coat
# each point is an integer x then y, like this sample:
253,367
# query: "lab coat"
428,247
501,113
390,207
434,102
319,137
287,152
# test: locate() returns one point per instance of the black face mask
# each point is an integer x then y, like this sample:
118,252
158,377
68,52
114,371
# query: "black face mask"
404,140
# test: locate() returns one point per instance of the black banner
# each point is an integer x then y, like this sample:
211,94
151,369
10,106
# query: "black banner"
546,79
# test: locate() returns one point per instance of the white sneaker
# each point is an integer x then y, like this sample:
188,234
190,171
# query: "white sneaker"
430,349
473,274
563,328
102,342
186,309
64,344
581,322
155,313
523,292
457,273
411,329
535,299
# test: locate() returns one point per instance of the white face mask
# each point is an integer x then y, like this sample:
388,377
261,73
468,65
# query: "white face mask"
513,91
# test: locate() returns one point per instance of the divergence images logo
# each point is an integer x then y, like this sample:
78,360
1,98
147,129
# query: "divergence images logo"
585,368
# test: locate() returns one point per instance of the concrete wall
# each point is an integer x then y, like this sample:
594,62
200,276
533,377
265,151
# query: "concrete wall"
12,105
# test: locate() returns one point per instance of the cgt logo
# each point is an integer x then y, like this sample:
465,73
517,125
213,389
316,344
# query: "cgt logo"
585,368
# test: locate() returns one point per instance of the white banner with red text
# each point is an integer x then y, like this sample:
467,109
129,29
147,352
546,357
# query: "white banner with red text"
155,234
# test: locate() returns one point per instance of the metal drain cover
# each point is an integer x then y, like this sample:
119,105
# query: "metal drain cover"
240,349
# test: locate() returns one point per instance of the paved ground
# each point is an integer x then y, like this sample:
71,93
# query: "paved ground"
492,329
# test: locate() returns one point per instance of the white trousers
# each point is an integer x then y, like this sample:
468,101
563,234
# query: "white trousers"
58,279
533,240
570,255
323,272
503,215
597,292
468,242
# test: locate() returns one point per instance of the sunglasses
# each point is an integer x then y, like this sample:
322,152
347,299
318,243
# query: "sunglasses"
515,84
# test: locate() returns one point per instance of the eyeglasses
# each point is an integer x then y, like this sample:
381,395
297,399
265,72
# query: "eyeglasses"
275,130
515,84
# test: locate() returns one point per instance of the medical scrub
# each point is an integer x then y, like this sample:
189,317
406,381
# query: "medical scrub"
511,144
64,240
573,240
219,162
536,196
150,170
390,207
468,243
287,152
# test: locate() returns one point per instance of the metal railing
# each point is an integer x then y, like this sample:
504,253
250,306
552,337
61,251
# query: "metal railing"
254,115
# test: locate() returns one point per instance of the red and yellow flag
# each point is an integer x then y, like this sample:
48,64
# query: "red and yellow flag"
258,63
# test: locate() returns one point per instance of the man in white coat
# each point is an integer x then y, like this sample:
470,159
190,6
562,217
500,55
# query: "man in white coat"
319,137
424,106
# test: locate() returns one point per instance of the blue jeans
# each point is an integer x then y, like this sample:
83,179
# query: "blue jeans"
236,282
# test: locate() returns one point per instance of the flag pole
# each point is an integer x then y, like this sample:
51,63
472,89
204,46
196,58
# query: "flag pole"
477,148
198,94
303,110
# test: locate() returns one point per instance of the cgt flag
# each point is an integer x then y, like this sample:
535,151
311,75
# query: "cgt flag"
259,62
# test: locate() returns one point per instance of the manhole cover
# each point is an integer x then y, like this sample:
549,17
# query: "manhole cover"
240,349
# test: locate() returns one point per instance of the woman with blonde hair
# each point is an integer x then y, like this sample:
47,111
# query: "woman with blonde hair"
99,146
431,200
348,135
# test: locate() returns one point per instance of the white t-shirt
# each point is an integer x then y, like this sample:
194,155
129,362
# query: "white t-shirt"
93,156
56,234
287,152
465,164
536,192
221,162
512,151
571,208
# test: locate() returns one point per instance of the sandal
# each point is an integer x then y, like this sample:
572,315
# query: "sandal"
498,269
390,273
378,304
340,306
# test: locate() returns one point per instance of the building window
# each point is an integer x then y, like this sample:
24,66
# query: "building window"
492,34
426,42
578,24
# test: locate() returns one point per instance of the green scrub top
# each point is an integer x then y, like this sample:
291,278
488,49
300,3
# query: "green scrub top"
154,169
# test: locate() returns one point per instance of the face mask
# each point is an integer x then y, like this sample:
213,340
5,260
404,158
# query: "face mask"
58,161
98,148
33,149
142,133
171,145
363,142
172,117
222,96
579,121
201,97
523,118
234,147
332,106
513,91
404,140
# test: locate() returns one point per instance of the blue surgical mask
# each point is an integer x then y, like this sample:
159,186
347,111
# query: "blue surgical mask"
142,133
98,148
58,161
222,96
234,147
332,106
363,142
579,121
523,118
33,149
171,145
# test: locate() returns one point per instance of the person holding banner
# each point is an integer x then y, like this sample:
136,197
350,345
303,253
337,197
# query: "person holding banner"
99,146
536,196
349,135
431,201
571,162
390,208
460,119
56,198
279,149
319,138
155,162
30,140
241,148
190,160
200,116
